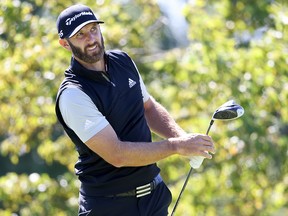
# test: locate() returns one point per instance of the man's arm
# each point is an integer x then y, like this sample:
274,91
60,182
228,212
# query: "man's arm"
160,121
120,154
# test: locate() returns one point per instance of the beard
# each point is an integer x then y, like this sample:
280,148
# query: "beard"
89,58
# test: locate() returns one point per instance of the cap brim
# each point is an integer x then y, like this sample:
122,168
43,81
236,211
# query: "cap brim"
82,25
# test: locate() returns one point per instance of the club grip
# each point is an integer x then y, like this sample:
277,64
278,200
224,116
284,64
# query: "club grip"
196,161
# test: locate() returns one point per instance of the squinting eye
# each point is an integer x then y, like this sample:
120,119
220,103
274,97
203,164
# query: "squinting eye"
79,34
94,29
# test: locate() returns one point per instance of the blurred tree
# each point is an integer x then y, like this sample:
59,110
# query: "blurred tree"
237,49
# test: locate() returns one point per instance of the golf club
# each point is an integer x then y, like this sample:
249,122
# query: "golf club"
228,111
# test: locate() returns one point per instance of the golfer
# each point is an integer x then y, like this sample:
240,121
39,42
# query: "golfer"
107,112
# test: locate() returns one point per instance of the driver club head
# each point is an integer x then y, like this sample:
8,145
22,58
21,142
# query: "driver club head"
228,111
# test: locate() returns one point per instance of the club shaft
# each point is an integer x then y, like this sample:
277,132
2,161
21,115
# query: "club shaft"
183,188
210,125
188,176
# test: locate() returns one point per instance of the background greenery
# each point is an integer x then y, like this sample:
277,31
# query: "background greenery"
237,49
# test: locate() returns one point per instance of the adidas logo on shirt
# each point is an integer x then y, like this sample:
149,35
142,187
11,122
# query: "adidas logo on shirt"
88,124
131,83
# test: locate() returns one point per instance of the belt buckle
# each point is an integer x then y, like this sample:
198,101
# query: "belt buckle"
143,190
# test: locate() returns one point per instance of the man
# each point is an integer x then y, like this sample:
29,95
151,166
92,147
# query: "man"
107,112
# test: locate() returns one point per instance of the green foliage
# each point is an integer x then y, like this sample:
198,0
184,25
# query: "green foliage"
38,194
238,50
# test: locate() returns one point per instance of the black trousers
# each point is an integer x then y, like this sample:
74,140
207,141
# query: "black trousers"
154,204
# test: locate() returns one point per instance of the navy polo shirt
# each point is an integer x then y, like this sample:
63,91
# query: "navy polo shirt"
121,102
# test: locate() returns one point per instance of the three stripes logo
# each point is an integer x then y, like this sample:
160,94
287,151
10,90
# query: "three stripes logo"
143,190
131,83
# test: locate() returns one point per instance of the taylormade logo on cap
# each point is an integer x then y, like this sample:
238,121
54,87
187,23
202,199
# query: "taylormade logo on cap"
73,18
70,20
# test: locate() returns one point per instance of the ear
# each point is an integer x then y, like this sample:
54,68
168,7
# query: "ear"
65,44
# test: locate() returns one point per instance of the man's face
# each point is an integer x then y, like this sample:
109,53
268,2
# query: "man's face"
91,44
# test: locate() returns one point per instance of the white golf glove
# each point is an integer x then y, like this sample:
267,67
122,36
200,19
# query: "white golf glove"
196,161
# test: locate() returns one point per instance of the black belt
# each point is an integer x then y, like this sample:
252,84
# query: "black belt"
142,190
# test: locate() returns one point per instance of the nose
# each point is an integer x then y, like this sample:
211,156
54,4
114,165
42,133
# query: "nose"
90,37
